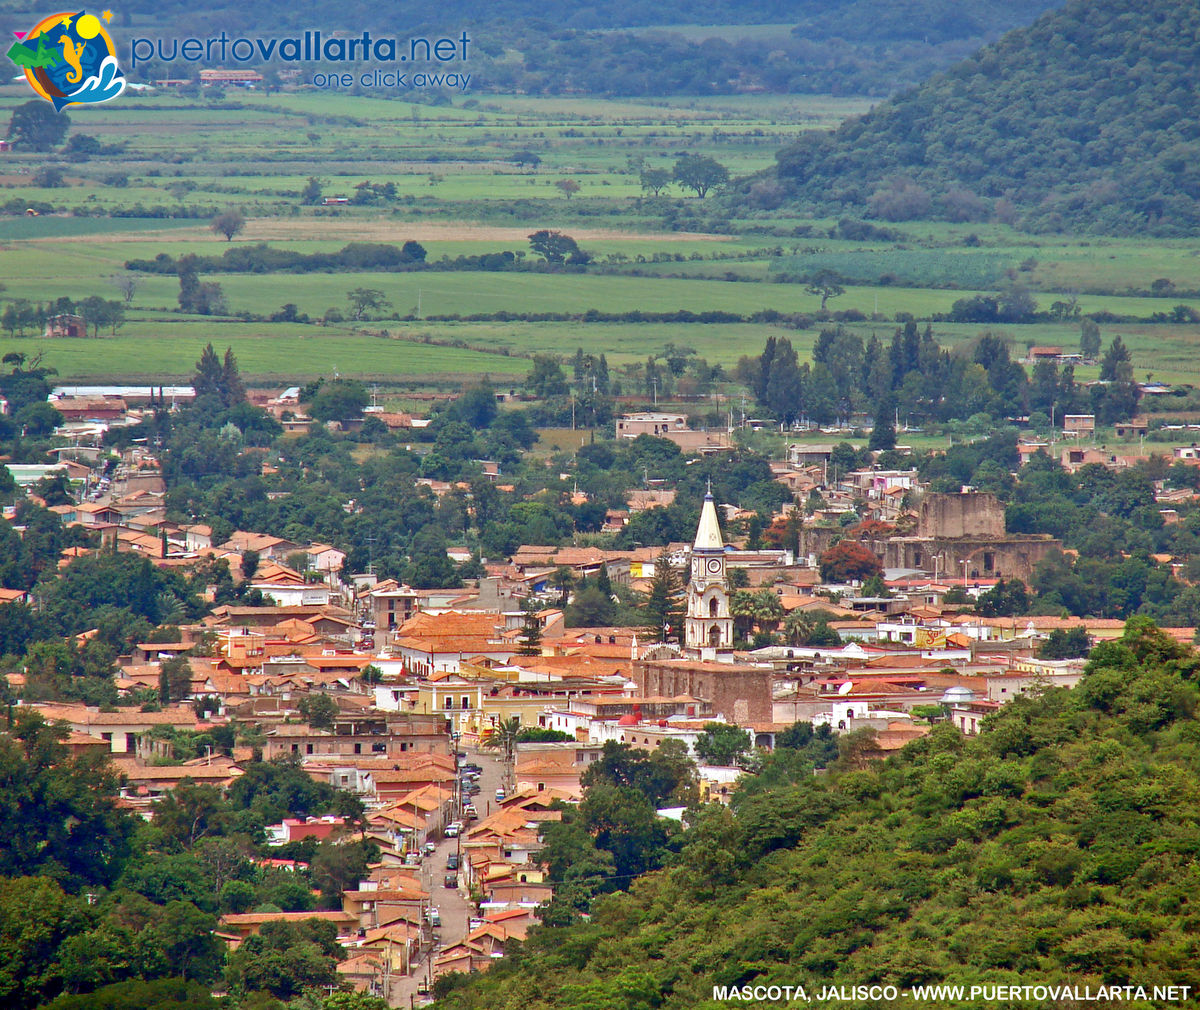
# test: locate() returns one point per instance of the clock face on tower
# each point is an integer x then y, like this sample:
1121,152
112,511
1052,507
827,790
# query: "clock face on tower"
714,566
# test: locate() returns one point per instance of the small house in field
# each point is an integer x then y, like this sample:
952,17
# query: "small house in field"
5,146
236,78
1037,354
1133,428
66,325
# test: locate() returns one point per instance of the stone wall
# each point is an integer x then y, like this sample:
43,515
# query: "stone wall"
972,514
740,693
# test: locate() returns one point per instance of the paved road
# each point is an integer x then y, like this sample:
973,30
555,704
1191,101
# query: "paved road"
452,903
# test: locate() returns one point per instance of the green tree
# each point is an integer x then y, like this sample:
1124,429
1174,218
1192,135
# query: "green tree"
591,608
36,918
883,435
504,738
319,710
229,223
699,173
665,776
1117,364
339,865
825,285
208,379
1089,339
1068,643
174,680
339,400
743,609
59,819
722,743
183,938
310,195
563,579
554,246
654,180
232,390
531,630
353,1001
768,610
37,420
136,994
364,300
1004,599
188,813
278,789
546,378
286,958
664,607
623,822
49,177
36,126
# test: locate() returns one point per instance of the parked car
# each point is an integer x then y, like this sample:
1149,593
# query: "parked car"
474,769
452,861
429,848
469,812
450,880
473,789
453,829
435,918
500,795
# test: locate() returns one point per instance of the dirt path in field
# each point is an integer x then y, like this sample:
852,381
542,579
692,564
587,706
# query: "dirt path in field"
356,229
439,231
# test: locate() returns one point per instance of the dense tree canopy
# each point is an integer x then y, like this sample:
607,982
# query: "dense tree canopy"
1085,120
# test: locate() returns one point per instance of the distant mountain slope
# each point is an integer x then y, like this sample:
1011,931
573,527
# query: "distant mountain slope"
1086,119
613,47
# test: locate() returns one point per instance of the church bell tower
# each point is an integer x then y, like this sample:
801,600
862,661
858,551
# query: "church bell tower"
708,628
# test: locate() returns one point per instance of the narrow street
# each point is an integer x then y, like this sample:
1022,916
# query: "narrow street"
452,903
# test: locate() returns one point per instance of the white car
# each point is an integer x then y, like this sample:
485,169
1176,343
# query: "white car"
453,829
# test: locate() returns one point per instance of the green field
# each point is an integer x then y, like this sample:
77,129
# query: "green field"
270,352
458,191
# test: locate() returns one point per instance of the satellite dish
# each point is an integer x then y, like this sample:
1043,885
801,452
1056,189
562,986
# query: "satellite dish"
846,688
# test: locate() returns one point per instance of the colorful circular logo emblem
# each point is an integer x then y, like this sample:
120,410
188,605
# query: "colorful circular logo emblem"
69,58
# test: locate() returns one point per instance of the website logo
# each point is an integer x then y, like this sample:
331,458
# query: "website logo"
70,59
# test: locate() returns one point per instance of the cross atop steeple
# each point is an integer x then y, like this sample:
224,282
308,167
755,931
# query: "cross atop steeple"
710,487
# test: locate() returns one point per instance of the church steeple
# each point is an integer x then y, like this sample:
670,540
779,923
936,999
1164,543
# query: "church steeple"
708,629
708,533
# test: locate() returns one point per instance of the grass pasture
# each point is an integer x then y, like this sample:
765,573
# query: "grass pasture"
459,192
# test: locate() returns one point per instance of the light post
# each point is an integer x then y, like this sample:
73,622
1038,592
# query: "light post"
965,562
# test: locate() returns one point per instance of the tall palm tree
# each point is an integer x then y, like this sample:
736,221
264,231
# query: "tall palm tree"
742,606
563,579
768,610
504,739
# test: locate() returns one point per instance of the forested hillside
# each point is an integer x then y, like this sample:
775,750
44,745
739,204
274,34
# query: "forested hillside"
1086,120
1057,847
613,48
